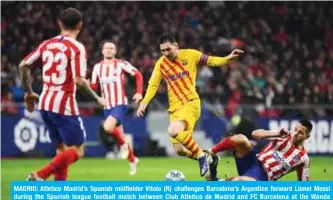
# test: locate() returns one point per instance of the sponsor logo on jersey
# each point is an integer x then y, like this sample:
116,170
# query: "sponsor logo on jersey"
281,160
108,80
179,75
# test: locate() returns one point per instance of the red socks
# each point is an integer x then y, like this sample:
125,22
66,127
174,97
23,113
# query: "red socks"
131,156
117,134
225,144
59,163
61,175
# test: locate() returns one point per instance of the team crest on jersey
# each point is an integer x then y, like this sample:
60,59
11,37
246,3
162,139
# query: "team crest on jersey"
184,62
295,159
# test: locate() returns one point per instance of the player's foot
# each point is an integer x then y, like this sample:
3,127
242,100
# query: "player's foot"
133,166
124,151
213,167
203,165
34,177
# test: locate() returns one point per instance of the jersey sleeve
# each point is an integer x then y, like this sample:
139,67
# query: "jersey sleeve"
196,55
203,59
127,67
153,84
94,77
33,56
80,62
303,171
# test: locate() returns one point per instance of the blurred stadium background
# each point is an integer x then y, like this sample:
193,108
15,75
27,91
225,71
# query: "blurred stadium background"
286,74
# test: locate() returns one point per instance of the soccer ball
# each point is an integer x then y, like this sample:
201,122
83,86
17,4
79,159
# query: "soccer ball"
174,175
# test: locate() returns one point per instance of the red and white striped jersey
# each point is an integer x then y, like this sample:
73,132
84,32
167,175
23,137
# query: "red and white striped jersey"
112,81
63,59
280,157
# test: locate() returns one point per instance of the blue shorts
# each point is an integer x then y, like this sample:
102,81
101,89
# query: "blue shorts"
64,129
117,112
250,166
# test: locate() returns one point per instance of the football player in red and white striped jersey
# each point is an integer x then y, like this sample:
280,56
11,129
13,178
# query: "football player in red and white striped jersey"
284,153
64,66
110,75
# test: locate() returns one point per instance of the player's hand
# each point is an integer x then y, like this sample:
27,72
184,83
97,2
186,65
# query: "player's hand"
29,100
235,54
283,133
141,110
101,101
137,98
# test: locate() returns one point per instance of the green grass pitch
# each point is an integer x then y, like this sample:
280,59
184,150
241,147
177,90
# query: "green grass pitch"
150,169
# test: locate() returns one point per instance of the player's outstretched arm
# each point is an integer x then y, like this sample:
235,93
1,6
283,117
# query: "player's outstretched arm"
25,75
262,134
139,87
215,61
130,69
84,84
94,79
154,84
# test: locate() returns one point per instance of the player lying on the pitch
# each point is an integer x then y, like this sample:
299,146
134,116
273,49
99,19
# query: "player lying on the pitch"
284,154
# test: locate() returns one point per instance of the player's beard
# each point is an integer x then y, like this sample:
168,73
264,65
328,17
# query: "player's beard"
172,57
109,58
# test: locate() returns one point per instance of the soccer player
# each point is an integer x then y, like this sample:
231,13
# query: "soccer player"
283,154
178,68
64,65
110,74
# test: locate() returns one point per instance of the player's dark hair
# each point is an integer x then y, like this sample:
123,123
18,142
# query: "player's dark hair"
70,18
106,41
306,123
166,37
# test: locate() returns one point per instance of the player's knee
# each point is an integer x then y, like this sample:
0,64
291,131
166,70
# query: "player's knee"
239,139
108,127
80,151
175,127
180,150
60,148
78,148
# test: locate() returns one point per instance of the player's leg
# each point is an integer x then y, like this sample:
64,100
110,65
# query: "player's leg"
213,168
61,175
181,128
181,150
239,143
133,161
70,130
54,136
255,171
114,116
191,149
245,154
